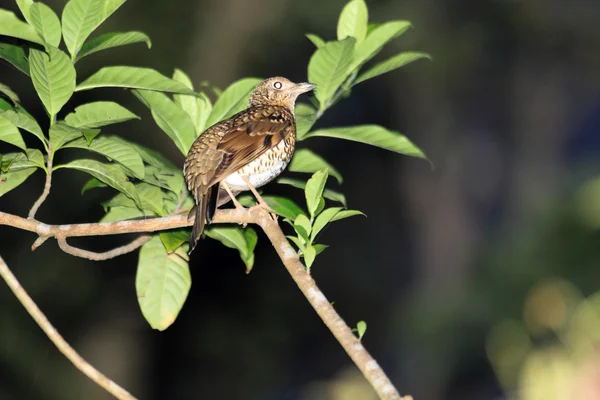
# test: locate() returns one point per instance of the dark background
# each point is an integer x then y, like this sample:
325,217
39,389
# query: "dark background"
509,113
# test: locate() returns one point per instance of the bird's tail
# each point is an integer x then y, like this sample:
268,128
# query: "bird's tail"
203,213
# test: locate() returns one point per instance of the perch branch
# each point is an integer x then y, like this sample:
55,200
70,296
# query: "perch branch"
57,339
256,215
90,255
38,203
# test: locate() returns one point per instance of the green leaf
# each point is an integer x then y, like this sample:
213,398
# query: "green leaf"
61,134
297,241
316,40
22,119
46,23
14,55
79,19
109,7
328,68
10,180
234,99
162,283
305,160
320,248
12,26
9,133
306,116
391,64
343,214
374,135
303,227
376,40
234,237
314,190
150,156
133,78
121,214
327,193
31,158
91,184
99,113
197,108
322,220
353,21
114,150
8,92
24,6
172,240
361,328
53,77
151,199
283,206
112,175
309,253
111,40
175,122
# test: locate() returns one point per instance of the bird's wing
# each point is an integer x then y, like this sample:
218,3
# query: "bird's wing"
251,134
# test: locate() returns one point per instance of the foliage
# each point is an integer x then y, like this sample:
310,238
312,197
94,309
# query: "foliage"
48,48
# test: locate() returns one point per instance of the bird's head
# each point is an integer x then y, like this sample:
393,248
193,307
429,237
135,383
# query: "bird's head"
279,91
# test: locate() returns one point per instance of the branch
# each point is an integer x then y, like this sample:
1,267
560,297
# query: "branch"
47,186
57,339
255,215
90,255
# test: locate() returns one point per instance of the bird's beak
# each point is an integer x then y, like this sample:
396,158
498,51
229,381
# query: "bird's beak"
304,87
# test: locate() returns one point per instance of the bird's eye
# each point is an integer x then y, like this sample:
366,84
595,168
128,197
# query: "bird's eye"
277,85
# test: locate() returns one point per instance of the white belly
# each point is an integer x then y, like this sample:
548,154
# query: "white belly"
257,179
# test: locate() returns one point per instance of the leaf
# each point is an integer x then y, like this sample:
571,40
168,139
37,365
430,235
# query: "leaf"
151,199
319,248
79,19
391,64
112,175
306,116
8,92
305,160
376,40
327,193
15,55
170,118
374,135
12,26
162,283
233,100
53,77
309,253
328,68
20,161
361,328
122,213
22,119
198,108
24,6
343,214
235,238
61,134
297,241
114,150
91,184
99,113
303,227
133,78
172,240
314,190
316,40
9,133
322,220
149,156
10,180
353,21
283,206
111,40
46,23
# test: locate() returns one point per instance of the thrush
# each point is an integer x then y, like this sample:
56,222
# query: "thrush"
243,152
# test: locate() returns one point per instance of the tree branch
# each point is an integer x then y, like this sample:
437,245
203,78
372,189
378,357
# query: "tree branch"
57,339
90,255
255,215
38,203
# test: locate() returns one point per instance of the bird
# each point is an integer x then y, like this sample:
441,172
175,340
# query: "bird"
243,152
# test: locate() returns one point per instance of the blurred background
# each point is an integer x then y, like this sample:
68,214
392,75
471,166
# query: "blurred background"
477,279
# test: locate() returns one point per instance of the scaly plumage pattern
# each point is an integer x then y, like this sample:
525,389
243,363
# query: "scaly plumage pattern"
253,146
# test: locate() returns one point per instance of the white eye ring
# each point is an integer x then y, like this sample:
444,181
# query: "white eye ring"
277,85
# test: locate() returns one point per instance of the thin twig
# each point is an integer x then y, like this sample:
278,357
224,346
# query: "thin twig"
256,215
90,255
38,242
38,203
64,347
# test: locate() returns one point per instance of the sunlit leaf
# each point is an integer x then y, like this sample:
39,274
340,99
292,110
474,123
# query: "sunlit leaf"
234,99
391,64
343,214
309,253
361,328
10,180
162,283
316,40
9,133
322,220
24,6
151,199
12,26
22,119
283,206
99,113
79,19
111,40
353,21
305,160
198,108
303,227
20,161
327,193
149,156
46,23
375,41
14,55
314,190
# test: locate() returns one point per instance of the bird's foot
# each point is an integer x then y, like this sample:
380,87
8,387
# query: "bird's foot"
264,206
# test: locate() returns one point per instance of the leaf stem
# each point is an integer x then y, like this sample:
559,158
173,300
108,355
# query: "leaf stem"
47,185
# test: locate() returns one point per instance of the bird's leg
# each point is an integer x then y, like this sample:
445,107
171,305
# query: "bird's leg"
261,202
236,203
